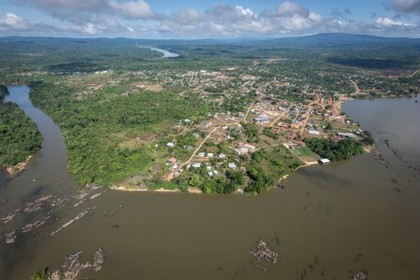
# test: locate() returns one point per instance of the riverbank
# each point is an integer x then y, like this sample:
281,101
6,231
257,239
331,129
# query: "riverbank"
20,137
126,188
160,190
18,168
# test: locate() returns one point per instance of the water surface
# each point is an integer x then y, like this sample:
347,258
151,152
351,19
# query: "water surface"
166,54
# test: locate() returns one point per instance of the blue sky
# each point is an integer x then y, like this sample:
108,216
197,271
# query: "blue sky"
207,18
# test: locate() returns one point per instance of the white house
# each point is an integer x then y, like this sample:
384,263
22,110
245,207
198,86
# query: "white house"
313,132
196,165
232,165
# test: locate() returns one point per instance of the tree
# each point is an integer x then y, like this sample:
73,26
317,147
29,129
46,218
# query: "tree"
328,127
195,180
42,274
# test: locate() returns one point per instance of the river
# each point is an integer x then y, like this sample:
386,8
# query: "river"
166,54
350,215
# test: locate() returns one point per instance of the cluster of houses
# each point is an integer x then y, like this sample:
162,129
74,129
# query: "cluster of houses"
295,118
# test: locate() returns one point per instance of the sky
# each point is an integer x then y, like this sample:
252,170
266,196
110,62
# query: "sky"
192,19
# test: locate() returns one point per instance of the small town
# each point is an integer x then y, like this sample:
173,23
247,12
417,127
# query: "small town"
257,116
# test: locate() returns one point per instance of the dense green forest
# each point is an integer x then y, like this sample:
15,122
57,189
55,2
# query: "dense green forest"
335,151
3,93
19,136
93,128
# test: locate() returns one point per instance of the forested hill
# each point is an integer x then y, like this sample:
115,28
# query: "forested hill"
338,40
322,40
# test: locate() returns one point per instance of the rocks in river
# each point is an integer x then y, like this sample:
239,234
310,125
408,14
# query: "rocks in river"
8,218
95,195
74,264
35,224
263,253
379,157
10,237
89,189
36,204
98,259
360,275
66,224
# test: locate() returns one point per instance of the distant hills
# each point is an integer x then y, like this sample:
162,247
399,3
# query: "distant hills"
335,40
322,40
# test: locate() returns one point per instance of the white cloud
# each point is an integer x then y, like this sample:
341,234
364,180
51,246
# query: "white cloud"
133,9
107,21
78,11
387,22
290,9
90,29
137,18
223,20
245,12
13,22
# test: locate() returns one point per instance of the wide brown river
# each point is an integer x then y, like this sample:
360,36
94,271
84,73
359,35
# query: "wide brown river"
351,215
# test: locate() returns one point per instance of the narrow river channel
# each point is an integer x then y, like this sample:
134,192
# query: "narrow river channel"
48,167
350,215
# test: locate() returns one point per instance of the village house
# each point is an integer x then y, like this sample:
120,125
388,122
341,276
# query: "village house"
241,151
232,165
244,149
313,132
171,160
262,119
196,165
249,147
346,135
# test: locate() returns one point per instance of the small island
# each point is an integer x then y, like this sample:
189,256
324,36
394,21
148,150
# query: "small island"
19,136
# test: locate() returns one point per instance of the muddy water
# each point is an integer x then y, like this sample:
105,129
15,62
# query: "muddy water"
351,215
47,169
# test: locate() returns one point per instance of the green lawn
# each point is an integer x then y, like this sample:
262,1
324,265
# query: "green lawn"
305,153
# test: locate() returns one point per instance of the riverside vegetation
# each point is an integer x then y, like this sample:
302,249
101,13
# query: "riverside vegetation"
220,117
19,136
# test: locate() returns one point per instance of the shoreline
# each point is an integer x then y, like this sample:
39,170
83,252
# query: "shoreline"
18,168
197,190
366,148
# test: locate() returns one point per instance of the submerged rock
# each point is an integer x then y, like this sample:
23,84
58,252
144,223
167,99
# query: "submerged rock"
263,253
361,275
10,237
98,259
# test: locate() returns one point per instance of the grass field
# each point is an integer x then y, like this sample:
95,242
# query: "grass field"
305,154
